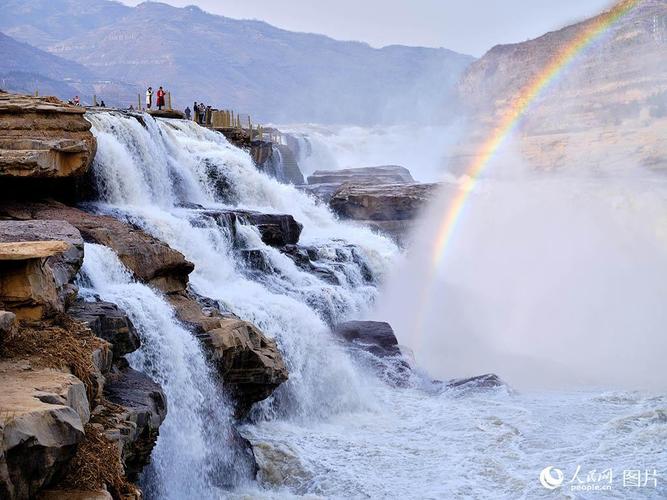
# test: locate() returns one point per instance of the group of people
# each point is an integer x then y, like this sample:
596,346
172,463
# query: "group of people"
199,111
77,102
161,93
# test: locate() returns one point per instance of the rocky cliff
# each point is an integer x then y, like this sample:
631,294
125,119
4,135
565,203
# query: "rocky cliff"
43,138
76,421
385,198
608,105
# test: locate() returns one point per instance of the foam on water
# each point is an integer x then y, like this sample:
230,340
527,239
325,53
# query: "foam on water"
333,429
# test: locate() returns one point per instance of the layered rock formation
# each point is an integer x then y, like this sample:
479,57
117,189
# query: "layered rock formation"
390,208
250,364
606,110
385,198
43,138
58,377
151,260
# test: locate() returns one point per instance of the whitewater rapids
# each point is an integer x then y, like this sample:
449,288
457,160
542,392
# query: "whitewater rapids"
333,430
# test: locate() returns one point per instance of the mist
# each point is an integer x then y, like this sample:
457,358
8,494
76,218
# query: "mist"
550,280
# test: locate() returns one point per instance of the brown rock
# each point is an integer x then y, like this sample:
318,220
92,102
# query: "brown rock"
189,311
28,286
250,364
390,208
42,418
151,260
42,137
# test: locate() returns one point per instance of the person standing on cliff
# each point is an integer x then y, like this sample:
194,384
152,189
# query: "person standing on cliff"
187,113
149,97
160,98
195,112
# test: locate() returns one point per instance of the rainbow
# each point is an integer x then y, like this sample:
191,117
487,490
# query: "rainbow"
511,116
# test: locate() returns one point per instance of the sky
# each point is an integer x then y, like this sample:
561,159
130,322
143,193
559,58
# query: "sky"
467,26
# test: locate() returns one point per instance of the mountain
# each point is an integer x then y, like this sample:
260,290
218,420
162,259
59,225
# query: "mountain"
44,22
26,69
610,102
245,65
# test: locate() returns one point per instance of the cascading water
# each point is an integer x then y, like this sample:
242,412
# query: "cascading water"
194,455
150,171
333,429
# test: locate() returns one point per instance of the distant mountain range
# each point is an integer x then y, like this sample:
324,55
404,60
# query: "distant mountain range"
26,69
251,66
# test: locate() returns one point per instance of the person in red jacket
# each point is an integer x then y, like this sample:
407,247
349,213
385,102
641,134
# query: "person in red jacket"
160,98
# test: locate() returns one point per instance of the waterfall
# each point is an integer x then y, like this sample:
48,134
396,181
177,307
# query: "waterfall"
170,177
194,455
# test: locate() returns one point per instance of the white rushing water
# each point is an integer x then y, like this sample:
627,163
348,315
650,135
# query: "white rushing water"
195,443
333,430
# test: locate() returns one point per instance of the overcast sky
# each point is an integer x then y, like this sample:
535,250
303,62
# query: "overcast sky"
468,26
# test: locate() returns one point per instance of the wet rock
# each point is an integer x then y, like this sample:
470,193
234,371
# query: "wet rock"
43,138
145,408
249,363
373,336
275,229
110,323
151,260
42,418
378,339
480,382
198,317
256,260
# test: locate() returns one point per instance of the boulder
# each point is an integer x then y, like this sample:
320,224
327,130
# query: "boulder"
65,265
144,408
385,174
381,202
375,337
28,285
110,323
250,364
43,138
199,318
276,229
42,418
479,382
151,260
389,208
378,339
7,325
